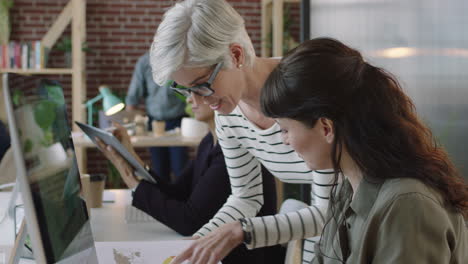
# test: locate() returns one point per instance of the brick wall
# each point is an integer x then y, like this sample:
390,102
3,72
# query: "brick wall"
118,32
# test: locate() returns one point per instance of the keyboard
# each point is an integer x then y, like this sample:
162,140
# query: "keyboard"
135,215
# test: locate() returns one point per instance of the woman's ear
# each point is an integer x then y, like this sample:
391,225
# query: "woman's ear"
237,55
327,129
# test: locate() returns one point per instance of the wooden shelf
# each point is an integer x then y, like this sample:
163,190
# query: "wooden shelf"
272,21
40,71
73,14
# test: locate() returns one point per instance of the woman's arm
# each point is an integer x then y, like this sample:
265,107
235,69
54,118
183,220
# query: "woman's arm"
245,177
200,204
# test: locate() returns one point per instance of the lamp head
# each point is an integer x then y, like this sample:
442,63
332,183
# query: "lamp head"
111,103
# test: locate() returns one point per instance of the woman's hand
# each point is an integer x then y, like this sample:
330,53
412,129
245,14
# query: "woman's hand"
121,134
214,247
125,170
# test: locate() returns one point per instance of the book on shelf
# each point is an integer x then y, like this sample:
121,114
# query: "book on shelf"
11,52
26,55
5,56
17,55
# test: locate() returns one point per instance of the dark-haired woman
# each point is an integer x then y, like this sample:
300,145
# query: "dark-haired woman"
402,200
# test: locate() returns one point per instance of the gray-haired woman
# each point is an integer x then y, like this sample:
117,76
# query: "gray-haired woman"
203,45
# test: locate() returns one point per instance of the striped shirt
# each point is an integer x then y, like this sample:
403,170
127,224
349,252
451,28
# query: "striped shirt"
245,146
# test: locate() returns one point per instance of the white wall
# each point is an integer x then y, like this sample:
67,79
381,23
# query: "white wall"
436,78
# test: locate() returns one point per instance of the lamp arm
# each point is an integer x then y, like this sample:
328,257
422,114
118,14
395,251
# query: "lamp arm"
89,105
93,100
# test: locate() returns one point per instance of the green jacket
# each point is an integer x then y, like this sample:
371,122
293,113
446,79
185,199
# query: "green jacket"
393,221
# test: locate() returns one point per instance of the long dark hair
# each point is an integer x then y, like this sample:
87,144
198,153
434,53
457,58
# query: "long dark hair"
373,118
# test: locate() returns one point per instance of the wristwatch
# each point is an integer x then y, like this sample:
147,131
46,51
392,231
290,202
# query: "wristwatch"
247,229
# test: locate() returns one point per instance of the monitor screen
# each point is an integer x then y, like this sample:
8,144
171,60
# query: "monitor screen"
43,139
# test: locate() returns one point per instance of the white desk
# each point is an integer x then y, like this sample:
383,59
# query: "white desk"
108,223
7,235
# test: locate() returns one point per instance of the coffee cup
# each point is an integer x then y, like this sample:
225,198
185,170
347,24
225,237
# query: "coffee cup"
93,189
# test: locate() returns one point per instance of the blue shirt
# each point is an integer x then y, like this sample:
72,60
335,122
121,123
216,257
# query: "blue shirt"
160,101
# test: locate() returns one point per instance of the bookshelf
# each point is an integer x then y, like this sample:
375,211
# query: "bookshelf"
272,21
75,13
39,71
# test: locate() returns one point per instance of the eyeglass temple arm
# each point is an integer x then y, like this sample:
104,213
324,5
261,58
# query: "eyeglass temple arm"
215,72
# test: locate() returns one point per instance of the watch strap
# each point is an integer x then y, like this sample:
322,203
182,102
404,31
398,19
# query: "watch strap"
247,229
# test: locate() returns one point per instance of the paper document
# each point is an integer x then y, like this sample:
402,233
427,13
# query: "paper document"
108,197
144,252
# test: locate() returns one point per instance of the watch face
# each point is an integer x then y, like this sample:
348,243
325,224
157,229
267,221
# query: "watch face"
247,229
246,225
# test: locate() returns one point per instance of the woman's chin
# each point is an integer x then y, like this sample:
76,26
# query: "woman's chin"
311,166
315,166
225,109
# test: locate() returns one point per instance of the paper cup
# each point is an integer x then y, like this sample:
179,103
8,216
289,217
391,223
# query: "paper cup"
159,128
93,189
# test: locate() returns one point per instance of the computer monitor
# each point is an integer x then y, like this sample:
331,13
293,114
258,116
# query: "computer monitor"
56,217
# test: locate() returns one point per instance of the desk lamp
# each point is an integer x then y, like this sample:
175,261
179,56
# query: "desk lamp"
111,104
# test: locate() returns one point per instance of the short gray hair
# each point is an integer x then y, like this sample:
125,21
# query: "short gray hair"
197,33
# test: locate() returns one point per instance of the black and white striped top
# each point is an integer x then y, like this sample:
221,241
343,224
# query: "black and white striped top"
244,146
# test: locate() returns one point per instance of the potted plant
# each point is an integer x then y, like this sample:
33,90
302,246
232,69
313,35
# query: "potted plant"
36,131
65,45
51,150
5,6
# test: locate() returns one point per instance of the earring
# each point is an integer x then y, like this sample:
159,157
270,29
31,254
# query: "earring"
240,66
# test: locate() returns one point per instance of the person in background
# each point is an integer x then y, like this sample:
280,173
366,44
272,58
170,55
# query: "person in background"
402,199
163,105
197,194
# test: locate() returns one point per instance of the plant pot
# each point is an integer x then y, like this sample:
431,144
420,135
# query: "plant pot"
53,156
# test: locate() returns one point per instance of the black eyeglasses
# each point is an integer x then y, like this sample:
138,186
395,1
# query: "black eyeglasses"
203,89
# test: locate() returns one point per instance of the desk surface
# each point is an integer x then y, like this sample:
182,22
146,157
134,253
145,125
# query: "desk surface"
108,223
7,235
169,140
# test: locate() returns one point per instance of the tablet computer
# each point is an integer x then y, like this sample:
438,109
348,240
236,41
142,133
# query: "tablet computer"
109,139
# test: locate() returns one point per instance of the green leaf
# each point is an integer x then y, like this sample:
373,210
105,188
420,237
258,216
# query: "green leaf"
17,97
28,145
48,139
44,114
188,110
55,94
